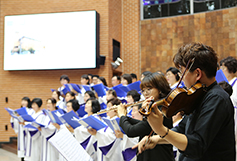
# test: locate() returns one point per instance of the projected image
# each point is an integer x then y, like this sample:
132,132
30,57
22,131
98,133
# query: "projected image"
27,45
65,40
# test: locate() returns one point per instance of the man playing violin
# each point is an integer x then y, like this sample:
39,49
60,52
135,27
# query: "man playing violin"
207,134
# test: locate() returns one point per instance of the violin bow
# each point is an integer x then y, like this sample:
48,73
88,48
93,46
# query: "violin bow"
147,140
190,60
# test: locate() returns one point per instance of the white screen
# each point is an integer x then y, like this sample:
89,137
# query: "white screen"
50,41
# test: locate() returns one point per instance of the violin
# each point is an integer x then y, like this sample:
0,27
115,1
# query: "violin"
179,99
116,107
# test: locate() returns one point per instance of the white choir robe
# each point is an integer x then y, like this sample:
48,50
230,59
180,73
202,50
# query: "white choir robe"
34,140
60,104
108,146
19,130
23,141
87,141
102,99
129,111
49,152
80,98
127,143
233,97
14,123
21,134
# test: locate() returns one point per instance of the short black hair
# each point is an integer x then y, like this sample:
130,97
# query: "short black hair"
127,77
85,76
205,58
145,73
114,101
28,101
113,92
133,75
95,76
95,105
175,71
53,102
91,94
135,95
118,77
58,93
38,101
75,104
71,93
103,80
226,86
64,76
231,64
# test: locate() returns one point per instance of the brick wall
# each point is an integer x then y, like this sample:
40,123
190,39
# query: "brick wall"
17,84
115,29
130,37
161,38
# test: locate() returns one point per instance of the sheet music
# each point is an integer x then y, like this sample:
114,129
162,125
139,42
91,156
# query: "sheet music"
115,125
83,123
69,147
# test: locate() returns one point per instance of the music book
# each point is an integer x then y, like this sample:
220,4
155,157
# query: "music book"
220,76
14,114
21,111
54,115
71,86
57,115
119,92
113,124
103,106
81,112
34,125
28,118
52,90
106,88
76,87
86,87
132,86
92,122
72,119
125,88
135,86
66,89
99,88
69,147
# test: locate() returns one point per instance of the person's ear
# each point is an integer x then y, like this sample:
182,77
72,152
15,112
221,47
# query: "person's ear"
198,74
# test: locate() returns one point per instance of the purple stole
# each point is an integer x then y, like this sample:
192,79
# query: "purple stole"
234,82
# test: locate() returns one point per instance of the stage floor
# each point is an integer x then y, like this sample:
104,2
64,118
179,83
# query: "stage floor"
8,156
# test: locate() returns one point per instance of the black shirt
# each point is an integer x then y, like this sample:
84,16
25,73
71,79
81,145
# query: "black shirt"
210,128
135,128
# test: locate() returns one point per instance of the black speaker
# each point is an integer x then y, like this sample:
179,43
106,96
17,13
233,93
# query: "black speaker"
116,49
102,60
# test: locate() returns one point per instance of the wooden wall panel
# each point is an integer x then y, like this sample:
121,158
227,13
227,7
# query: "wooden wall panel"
165,36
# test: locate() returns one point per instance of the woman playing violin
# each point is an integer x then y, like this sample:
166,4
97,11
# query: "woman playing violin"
157,86
207,134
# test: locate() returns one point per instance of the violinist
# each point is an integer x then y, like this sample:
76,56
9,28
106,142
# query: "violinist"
157,86
207,134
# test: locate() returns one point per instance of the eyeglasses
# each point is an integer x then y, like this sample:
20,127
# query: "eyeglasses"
146,91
